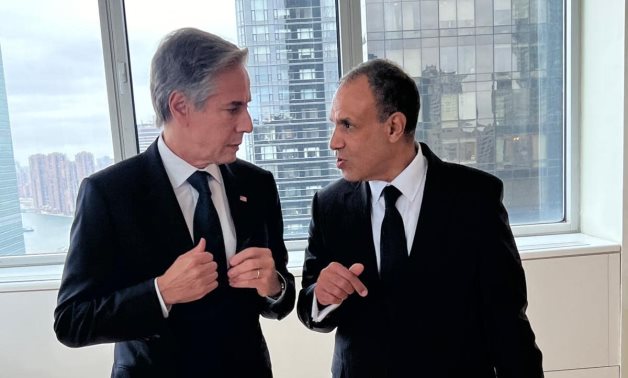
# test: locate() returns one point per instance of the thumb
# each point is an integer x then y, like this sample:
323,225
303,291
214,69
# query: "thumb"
356,269
200,247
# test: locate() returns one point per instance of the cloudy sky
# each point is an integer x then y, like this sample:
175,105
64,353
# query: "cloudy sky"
54,70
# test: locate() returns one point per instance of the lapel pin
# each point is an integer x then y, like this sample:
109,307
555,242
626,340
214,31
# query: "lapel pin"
243,199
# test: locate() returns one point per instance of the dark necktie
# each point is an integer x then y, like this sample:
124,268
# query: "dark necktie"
207,223
393,247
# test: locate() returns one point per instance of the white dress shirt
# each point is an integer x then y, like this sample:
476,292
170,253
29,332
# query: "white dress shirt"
178,171
411,184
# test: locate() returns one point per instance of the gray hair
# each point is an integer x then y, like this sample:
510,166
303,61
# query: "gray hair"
393,89
188,60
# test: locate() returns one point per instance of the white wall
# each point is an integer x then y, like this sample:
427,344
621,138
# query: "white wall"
604,142
574,310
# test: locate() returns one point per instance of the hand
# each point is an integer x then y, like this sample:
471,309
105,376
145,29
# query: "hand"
335,283
254,268
190,277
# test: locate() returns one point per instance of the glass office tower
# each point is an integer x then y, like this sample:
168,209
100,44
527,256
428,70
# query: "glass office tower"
11,232
293,65
490,74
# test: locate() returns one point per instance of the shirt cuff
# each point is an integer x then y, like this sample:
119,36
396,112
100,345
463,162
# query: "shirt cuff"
282,281
165,311
319,315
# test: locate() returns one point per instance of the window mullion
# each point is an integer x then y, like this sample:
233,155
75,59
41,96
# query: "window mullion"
349,35
118,76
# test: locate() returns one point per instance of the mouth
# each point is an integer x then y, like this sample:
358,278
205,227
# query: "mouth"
340,163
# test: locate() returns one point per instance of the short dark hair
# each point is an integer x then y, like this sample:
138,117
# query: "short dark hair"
393,89
188,60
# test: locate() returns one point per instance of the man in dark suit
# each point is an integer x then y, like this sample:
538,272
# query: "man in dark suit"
410,259
175,274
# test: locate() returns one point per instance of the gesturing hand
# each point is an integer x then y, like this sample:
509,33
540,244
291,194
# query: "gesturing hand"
190,277
335,283
254,268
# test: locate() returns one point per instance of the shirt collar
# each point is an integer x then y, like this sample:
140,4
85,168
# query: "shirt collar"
179,170
408,181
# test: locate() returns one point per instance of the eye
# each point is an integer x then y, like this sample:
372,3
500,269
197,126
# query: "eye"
345,124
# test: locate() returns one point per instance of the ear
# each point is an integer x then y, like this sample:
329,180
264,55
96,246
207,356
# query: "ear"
396,126
179,107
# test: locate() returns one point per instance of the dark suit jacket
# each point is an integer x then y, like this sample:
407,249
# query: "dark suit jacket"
128,230
459,307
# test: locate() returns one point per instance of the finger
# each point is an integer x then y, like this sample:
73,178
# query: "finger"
357,284
200,247
327,297
203,258
250,284
249,253
356,269
244,267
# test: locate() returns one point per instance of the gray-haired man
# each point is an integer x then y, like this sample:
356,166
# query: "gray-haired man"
175,253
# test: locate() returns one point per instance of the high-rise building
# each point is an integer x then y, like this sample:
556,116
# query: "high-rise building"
103,162
85,165
293,65
11,232
54,183
490,75
146,135
23,181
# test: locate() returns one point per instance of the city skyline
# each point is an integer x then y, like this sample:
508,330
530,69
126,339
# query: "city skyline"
490,79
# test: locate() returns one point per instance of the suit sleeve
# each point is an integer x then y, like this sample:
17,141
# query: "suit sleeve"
511,339
280,308
93,306
316,259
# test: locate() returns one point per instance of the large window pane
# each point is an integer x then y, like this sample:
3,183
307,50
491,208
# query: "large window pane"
293,78
54,119
492,95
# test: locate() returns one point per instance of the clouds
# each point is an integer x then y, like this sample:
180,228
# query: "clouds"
54,68
54,78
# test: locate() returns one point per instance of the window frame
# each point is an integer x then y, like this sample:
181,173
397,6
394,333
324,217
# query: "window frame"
352,40
351,52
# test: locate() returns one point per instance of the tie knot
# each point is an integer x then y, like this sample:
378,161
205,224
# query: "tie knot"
198,180
391,194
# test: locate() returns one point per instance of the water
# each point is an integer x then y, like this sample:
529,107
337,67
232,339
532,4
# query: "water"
51,233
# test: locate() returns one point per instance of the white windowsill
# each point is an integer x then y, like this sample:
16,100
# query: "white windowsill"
47,277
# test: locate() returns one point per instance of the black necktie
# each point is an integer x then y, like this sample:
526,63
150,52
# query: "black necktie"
393,248
207,223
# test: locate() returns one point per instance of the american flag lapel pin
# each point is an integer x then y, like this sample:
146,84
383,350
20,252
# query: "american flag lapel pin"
243,199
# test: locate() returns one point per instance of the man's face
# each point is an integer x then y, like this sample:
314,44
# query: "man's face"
216,131
360,140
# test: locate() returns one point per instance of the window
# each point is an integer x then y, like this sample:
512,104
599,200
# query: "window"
492,88
54,119
307,74
305,33
311,152
261,54
281,107
305,53
308,94
490,73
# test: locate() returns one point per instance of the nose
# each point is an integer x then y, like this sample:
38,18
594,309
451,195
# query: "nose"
335,142
246,124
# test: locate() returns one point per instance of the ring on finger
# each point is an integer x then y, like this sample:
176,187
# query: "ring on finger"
257,274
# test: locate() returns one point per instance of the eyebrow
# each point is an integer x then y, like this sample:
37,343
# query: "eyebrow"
341,120
238,103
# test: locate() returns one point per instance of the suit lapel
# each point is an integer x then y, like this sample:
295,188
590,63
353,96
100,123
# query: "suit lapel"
163,212
359,205
237,208
435,208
